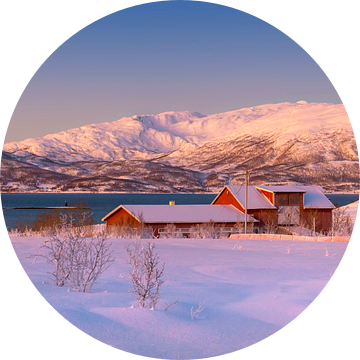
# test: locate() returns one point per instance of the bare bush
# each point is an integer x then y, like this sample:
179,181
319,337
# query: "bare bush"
169,232
270,221
50,222
205,231
146,273
78,261
128,232
120,231
312,218
131,229
342,223
240,227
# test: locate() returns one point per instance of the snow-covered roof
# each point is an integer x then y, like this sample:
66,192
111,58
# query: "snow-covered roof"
314,197
184,213
283,189
256,200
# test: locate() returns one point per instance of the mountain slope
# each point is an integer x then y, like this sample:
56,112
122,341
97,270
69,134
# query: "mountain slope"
303,142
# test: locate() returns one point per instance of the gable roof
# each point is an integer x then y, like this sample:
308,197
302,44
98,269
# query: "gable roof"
283,189
192,214
314,198
256,200
112,212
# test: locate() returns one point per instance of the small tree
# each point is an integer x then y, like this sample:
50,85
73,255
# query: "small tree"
169,231
313,220
146,273
124,229
270,221
240,226
209,230
143,231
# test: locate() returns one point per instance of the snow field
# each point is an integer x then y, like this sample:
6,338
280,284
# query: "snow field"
251,290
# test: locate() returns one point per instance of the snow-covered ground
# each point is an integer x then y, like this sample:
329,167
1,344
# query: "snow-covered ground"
251,289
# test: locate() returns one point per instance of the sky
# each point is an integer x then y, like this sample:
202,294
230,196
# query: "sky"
166,56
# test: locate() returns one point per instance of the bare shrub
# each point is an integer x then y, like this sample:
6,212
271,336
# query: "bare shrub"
131,229
312,220
78,261
120,231
46,222
270,221
240,227
77,216
205,231
169,232
342,223
146,273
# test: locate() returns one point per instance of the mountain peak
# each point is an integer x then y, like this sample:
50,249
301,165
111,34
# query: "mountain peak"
147,135
188,151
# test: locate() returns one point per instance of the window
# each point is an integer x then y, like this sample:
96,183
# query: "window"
294,199
283,199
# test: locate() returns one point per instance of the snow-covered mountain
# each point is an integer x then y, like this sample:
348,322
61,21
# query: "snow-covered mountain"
190,151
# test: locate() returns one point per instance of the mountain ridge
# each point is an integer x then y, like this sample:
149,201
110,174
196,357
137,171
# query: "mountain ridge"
288,139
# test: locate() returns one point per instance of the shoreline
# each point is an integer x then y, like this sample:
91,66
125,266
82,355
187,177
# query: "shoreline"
110,192
148,193
47,207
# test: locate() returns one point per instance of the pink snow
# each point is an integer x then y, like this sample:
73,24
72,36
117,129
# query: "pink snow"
251,289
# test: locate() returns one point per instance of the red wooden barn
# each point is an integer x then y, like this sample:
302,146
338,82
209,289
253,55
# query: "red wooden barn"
285,205
182,217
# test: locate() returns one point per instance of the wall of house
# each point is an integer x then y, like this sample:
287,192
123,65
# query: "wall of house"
288,212
158,226
184,226
120,218
265,216
268,194
323,219
226,198
277,196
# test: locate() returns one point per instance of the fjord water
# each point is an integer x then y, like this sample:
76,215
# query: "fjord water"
100,204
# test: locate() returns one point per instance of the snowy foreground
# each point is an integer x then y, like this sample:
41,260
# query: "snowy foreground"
251,289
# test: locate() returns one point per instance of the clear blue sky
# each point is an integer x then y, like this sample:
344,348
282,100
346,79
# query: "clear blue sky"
164,56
